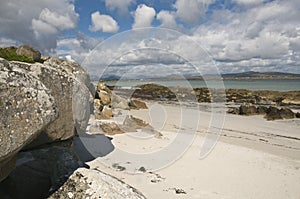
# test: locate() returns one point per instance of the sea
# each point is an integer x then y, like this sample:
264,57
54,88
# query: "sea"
264,84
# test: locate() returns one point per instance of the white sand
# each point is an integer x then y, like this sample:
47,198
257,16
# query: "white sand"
253,158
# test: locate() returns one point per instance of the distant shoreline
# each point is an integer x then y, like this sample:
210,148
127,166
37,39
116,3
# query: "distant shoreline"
248,84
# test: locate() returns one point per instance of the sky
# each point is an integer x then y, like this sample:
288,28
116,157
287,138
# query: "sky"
158,36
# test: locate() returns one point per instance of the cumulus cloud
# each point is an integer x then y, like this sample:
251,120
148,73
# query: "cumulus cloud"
120,5
143,16
251,39
191,11
105,23
78,48
167,19
34,22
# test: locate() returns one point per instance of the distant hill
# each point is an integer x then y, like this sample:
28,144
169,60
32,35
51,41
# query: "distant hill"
261,75
249,75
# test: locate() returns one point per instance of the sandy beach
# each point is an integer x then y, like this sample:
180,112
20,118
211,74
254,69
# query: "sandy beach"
253,157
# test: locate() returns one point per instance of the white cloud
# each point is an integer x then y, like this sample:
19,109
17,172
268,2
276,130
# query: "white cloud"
143,16
61,21
78,48
167,19
251,39
120,5
191,11
34,22
249,2
105,23
6,42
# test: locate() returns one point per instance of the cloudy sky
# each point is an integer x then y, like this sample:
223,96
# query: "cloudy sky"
227,35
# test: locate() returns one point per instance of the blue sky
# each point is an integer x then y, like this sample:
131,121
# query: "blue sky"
238,35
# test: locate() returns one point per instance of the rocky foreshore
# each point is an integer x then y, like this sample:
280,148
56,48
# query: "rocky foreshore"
44,107
272,104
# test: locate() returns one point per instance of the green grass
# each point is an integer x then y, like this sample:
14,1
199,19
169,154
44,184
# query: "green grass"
10,54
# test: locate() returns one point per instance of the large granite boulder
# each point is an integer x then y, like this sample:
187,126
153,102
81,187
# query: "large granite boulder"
85,183
70,86
29,52
27,108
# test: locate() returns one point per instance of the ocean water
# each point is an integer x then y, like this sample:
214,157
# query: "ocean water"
276,85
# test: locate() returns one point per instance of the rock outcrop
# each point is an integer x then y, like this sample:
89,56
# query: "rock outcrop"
27,108
106,100
247,110
37,106
274,113
256,97
43,106
69,84
85,183
271,112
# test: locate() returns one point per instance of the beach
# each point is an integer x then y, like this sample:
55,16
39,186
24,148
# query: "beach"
252,158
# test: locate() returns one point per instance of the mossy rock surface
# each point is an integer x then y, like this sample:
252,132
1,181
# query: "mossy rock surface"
10,54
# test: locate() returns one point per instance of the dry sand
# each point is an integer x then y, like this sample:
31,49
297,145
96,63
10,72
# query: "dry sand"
253,158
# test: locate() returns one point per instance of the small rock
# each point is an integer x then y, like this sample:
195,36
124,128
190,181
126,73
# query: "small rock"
233,111
142,169
111,128
118,167
136,104
179,191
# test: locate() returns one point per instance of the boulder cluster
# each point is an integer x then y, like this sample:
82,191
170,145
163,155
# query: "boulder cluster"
271,112
108,104
37,102
106,100
44,106
240,96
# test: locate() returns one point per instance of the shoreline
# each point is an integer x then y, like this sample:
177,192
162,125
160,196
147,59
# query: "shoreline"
252,158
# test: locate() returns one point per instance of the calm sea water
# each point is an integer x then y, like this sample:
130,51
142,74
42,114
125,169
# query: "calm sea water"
277,85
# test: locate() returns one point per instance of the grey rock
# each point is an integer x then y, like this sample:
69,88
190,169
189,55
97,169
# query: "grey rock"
247,110
137,104
119,102
234,110
111,128
70,86
27,107
262,110
287,113
30,52
84,183
274,113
